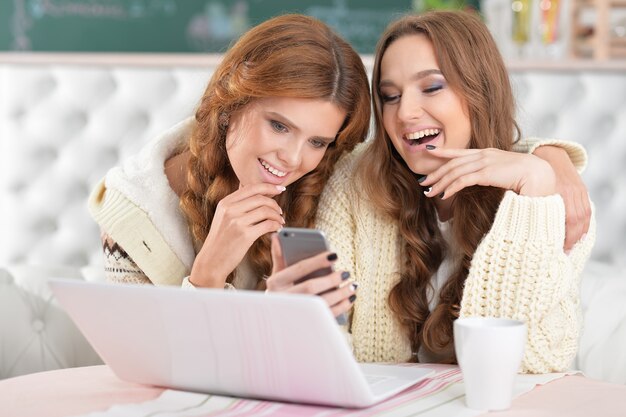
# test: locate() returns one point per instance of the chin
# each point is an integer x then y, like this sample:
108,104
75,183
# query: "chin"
420,168
423,166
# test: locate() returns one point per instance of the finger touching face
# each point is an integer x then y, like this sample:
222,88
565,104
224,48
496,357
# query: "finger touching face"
278,140
419,107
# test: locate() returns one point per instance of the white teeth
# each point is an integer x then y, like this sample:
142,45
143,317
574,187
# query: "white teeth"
422,133
272,169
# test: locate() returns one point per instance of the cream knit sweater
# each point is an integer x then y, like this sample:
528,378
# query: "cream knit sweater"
519,270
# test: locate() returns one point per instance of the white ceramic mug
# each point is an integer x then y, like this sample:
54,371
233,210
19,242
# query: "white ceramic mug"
489,352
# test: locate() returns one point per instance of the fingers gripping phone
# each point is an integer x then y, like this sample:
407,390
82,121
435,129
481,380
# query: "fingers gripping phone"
298,244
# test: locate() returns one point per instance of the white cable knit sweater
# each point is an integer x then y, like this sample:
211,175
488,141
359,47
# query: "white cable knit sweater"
137,209
518,271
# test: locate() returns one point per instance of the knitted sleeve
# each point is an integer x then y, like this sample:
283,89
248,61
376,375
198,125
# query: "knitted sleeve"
576,151
334,214
119,266
520,271
131,227
187,285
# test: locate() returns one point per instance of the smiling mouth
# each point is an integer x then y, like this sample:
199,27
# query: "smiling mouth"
421,137
272,170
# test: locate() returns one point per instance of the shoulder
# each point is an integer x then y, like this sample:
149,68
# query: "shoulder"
143,176
345,170
350,160
344,189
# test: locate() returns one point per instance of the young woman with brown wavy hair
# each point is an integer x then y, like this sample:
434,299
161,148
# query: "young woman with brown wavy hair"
285,102
442,220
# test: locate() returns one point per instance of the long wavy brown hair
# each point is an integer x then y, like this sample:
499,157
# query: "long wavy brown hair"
288,56
470,62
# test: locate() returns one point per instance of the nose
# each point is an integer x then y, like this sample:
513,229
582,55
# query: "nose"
291,153
409,108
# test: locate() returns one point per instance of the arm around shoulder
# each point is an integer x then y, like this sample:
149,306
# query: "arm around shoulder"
520,271
575,151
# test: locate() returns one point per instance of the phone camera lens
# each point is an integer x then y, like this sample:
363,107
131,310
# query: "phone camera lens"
285,234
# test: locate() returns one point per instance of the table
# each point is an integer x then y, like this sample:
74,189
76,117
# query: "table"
76,391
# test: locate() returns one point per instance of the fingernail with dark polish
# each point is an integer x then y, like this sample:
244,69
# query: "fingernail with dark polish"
441,195
431,147
352,298
345,275
332,257
421,179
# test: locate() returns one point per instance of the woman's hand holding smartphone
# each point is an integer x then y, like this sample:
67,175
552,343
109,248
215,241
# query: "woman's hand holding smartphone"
303,264
240,219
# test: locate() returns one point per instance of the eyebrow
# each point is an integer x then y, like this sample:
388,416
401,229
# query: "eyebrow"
294,126
417,76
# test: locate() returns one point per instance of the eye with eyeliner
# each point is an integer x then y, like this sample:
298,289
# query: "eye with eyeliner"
387,98
433,88
278,127
433,84
318,144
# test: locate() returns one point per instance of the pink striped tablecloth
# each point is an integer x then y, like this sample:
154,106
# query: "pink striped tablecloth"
96,390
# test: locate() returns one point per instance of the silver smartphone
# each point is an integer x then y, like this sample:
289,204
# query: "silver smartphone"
298,244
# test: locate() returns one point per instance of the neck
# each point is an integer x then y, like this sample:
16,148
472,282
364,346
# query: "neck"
444,208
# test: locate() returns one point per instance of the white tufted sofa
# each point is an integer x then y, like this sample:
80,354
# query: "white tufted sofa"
64,120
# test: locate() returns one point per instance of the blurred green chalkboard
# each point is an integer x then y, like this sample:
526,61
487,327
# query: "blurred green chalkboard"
178,25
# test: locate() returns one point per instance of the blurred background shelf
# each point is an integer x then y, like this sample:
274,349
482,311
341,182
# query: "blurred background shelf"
599,40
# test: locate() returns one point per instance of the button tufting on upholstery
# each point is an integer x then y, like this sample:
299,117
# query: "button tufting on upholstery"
38,325
603,193
106,86
5,277
520,87
108,157
79,120
45,226
168,86
79,191
72,123
549,123
76,259
17,187
604,125
44,156
18,114
17,259
75,122
577,92
602,256
139,121
46,86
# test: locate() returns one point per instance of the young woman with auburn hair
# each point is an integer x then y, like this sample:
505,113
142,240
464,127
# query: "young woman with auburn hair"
442,220
198,205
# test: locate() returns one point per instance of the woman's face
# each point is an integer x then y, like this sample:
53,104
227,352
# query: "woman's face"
419,107
278,140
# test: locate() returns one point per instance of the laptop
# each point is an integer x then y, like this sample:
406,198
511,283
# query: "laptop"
279,347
